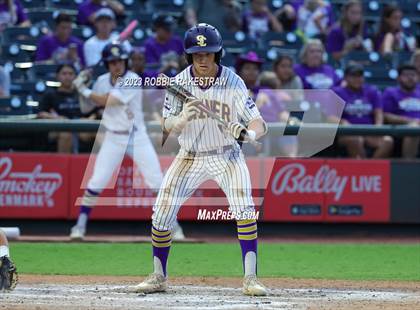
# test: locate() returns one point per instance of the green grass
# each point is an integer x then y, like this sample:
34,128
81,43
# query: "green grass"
323,261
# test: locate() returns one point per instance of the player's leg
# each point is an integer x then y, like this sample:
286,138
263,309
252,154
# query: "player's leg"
8,274
109,157
180,181
147,161
4,245
235,181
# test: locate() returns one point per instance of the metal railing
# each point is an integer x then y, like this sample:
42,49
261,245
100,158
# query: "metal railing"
13,126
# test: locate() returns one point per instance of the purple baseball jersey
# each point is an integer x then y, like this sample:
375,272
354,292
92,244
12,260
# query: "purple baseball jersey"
359,105
49,47
155,50
397,101
322,77
5,14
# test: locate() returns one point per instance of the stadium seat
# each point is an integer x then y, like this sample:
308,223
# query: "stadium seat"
43,71
282,40
16,107
380,76
29,4
237,42
367,59
42,17
21,34
133,5
65,4
30,88
83,32
172,7
15,53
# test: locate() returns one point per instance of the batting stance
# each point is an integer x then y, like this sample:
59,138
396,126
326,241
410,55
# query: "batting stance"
207,152
125,130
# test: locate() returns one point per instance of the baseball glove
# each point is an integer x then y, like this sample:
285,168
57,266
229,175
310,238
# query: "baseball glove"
8,274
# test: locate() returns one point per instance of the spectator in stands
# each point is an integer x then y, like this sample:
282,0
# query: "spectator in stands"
271,103
283,68
349,33
248,67
286,16
12,14
362,106
402,106
313,19
4,83
228,14
390,37
61,47
164,40
415,61
86,11
314,73
138,62
62,103
258,20
104,25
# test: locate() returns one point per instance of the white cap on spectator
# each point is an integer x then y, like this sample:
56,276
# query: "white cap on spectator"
104,12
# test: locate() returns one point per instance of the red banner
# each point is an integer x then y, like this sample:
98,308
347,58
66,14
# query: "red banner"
48,186
328,190
130,198
33,186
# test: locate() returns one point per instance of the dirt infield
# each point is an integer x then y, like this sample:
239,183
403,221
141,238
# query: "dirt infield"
93,292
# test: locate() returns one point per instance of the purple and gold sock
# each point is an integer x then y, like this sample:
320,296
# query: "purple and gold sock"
247,235
161,241
88,202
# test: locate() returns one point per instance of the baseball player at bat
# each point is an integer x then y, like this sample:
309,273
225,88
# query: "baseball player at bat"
208,151
125,131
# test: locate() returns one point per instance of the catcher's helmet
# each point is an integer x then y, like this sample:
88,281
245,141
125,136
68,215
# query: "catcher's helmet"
203,38
114,51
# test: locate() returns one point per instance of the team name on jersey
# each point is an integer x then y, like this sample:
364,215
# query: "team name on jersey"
217,107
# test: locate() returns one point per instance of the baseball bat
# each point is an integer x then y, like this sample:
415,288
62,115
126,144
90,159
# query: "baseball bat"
183,94
126,33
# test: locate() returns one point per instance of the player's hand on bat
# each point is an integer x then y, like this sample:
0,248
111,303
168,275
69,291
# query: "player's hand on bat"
190,108
80,83
236,128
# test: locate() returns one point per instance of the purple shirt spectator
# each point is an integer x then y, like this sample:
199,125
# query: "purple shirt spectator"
322,77
154,49
337,38
6,18
255,24
49,47
360,105
399,102
273,105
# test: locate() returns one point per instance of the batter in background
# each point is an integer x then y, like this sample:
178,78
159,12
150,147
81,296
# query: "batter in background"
125,131
208,152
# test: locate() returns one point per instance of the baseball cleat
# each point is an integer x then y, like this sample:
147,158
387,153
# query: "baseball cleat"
177,233
152,284
252,287
77,233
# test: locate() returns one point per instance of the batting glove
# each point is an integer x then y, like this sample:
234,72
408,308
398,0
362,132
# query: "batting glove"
80,84
190,108
239,132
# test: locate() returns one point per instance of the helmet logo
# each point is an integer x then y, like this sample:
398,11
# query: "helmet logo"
115,51
201,40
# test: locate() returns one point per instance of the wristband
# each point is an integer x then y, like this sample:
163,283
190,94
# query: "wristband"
251,134
86,92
